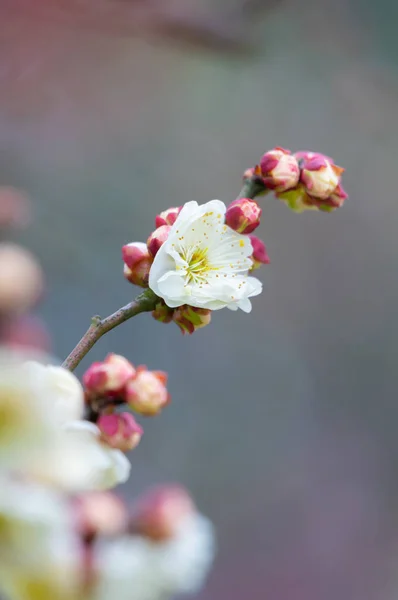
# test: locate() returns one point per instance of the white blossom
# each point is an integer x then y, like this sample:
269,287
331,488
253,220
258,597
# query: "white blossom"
204,263
80,462
61,390
27,427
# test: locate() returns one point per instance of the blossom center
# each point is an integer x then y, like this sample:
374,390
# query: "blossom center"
197,264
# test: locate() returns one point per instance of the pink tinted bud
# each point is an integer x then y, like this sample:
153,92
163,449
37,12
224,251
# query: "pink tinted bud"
120,430
243,215
259,256
163,313
157,239
109,376
100,513
21,279
159,513
137,263
320,176
147,393
168,217
189,318
280,170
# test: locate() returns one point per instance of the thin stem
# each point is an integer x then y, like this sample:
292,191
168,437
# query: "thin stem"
145,302
252,187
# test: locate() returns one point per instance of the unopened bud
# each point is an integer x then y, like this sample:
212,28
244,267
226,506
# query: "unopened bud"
21,279
100,513
137,263
157,239
159,514
120,430
243,215
319,175
147,393
108,376
189,318
163,313
280,170
259,256
168,217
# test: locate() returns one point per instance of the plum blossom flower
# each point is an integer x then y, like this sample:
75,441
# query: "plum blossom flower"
27,427
81,461
203,262
42,434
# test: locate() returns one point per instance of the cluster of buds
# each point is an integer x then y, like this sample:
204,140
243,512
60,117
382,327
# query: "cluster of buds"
115,382
304,180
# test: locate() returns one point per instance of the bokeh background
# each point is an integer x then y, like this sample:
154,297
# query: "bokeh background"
284,422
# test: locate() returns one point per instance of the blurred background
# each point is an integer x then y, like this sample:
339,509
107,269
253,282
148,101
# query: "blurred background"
283,423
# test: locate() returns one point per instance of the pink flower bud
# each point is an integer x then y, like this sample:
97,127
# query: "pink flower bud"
159,513
168,217
259,256
147,393
163,313
319,175
243,215
189,318
100,513
109,376
120,430
137,263
157,239
280,170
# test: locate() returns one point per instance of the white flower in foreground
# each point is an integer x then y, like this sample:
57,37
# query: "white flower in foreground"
60,389
39,553
26,425
81,462
204,263
136,568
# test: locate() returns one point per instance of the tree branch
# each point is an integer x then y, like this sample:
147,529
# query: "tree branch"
145,302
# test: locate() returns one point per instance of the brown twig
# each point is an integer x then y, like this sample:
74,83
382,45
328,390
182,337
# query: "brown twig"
145,302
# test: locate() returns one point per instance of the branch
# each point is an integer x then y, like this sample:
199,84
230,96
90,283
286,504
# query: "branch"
145,302
252,187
